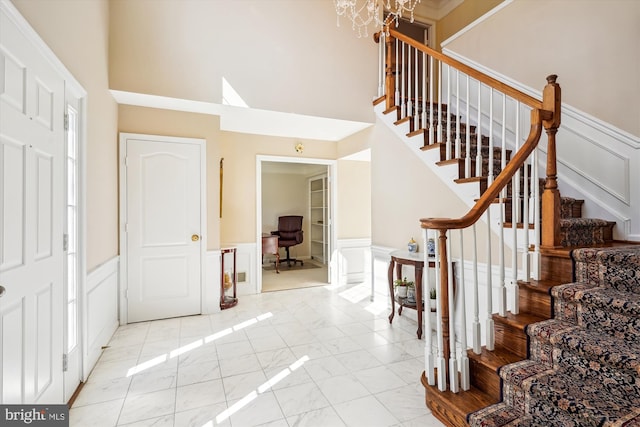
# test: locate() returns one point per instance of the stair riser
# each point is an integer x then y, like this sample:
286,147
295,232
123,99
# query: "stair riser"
484,378
556,268
510,338
442,410
538,303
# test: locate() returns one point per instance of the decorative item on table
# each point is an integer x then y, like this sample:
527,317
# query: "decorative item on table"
412,246
402,287
431,247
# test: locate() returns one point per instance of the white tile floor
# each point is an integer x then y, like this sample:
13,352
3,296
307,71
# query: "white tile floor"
306,357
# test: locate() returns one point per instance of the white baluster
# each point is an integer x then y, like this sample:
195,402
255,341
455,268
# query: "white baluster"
397,76
441,361
536,218
440,102
458,117
416,98
431,101
429,361
515,217
479,132
490,174
465,381
381,62
477,338
453,360
424,92
409,82
490,326
403,93
447,135
502,296
467,159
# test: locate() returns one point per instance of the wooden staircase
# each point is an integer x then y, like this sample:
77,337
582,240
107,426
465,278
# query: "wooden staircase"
511,340
433,127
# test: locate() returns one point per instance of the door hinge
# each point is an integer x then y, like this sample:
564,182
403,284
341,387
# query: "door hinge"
66,121
65,362
65,242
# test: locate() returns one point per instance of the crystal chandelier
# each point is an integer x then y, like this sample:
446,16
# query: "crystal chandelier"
362,13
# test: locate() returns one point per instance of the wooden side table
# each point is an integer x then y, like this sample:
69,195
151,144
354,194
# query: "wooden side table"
398,259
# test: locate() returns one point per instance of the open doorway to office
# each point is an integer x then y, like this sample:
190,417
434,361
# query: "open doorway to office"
295,187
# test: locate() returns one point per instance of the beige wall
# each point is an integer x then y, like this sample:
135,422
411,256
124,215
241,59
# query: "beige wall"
238,224
591,45
354,199
77,32
188,125
460,17
404,190
279,55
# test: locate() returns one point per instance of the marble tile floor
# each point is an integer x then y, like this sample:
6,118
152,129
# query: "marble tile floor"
306,357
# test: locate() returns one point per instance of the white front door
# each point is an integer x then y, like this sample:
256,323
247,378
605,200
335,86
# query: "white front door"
163,226
31,221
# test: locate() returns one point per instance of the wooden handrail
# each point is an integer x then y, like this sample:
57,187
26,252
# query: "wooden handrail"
472,72
501,181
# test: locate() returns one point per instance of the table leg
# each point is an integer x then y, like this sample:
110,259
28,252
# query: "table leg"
391,290
418,290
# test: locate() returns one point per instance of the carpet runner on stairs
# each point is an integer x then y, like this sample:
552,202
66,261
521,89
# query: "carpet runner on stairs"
584,364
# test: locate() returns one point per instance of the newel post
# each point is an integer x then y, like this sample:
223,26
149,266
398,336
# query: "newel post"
443,290
551,101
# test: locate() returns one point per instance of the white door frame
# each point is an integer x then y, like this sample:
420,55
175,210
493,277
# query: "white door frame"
74,87
124,286
333,185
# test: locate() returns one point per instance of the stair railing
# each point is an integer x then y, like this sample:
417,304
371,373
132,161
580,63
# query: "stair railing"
462,113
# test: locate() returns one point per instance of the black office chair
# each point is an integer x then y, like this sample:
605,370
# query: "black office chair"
290,234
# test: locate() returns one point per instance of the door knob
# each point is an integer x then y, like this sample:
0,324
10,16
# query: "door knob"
2,290
195,238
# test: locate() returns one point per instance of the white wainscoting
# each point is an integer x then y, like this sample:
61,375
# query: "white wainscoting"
353,261
101,310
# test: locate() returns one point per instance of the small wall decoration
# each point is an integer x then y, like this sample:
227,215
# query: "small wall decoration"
299,148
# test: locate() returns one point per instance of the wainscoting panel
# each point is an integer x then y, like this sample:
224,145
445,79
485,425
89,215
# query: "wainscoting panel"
101,310
354,260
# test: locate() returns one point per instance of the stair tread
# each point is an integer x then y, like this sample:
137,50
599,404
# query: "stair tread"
518,320
541,286
494,359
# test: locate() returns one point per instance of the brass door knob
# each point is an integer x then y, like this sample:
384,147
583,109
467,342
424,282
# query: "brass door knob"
195,238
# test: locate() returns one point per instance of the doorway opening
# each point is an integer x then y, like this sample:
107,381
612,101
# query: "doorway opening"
299,187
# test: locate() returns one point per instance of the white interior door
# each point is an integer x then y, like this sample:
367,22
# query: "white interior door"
31,221
163,227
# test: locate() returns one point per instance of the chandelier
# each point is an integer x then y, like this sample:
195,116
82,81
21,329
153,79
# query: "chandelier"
362,13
